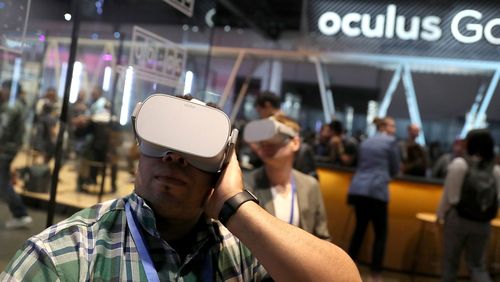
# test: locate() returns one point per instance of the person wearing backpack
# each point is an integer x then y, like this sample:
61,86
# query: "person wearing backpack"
469,202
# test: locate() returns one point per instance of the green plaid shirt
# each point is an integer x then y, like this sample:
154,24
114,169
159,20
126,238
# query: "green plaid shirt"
95,245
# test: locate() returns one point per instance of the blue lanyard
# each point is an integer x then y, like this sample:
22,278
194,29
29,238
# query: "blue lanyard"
292,182
147,263
144,257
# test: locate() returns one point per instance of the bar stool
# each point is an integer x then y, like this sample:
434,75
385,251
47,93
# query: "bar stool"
426,219
495,225
430,218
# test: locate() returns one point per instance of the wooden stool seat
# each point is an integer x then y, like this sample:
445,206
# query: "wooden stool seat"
495,223
427,217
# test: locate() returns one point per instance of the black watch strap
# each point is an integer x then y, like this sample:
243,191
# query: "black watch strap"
233,203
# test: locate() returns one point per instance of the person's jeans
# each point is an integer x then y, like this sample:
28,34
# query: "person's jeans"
470,236
7,192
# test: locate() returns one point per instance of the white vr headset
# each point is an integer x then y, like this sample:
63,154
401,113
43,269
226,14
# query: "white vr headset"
199,133
268,129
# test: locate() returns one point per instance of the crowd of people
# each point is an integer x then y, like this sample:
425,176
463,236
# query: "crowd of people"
332,145
92,138
182,221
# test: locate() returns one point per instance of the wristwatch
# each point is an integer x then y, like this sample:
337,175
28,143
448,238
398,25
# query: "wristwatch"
233,203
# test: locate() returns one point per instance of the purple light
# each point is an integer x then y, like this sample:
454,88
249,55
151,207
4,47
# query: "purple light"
107,57
41,38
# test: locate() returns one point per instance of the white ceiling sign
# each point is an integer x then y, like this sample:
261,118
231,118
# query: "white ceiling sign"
13,23
155,58
185,6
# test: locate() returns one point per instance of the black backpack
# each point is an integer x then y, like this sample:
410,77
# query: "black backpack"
478,199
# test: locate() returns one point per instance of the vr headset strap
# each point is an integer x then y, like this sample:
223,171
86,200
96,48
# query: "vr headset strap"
229,152
133,117
230,148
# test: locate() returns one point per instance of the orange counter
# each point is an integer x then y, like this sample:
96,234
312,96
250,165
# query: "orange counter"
407,198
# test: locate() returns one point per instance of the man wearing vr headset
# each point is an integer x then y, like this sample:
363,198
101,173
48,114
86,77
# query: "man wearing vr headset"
188,219
267,105
283,191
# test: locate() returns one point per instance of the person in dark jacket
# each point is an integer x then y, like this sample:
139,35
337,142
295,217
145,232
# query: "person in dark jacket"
414,159
460,231
11,137
368,192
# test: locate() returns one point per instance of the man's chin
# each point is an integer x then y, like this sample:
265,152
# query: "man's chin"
173,214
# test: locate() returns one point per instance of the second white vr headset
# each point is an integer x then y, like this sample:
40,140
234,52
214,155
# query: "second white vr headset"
267,129
199,133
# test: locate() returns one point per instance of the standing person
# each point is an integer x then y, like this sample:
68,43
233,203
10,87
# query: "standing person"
11,137
343,150
290,195
440,168
93,129
465,212
167,229
45,125
49,98
414,160
45,133
77,116
322,143
267,104
98,103
368,192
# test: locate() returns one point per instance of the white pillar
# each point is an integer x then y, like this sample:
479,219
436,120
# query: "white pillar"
276,77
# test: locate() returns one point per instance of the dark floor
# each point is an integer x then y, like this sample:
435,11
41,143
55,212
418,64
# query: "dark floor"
11,240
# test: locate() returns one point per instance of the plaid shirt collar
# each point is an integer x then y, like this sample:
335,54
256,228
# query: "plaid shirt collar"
205,228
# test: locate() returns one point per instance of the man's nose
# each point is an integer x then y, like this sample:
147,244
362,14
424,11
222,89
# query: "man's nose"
174,157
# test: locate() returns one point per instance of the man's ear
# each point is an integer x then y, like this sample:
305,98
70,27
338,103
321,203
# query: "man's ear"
295,143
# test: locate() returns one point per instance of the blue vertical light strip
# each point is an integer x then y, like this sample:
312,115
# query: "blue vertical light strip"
16,76
470,117
329,95
62,80
329,101
382,111
322,90
371,113
76,81
349,119
106,81
127,92
188,82
411,99
487,99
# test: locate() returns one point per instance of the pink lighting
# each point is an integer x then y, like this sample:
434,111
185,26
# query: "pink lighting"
107,57
41,38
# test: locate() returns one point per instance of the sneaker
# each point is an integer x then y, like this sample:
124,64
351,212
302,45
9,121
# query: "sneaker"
18,222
